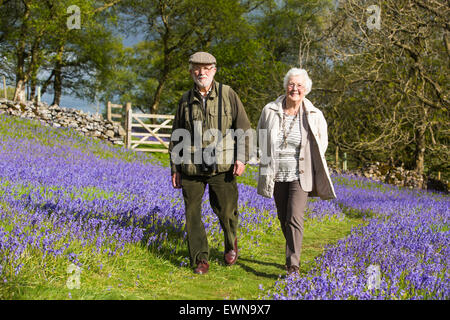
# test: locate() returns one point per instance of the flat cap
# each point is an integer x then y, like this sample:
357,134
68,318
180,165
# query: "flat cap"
202,58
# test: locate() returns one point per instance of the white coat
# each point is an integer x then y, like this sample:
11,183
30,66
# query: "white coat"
314,174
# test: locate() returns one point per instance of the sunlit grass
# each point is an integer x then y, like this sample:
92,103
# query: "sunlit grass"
135,270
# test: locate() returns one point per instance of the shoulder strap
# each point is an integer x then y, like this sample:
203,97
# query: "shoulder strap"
220,108
190,106
190,115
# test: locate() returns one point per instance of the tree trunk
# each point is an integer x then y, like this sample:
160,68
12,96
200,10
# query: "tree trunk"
157,97
21,78
32,96
20,92
161,83
57,88
57,82
47,82
34,67
420,151
337,158
167,57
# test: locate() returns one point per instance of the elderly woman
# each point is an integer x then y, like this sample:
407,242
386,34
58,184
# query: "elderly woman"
293,139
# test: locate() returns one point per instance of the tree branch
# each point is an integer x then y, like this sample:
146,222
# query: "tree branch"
106,6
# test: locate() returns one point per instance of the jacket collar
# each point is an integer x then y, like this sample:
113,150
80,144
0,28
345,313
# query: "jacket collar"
195,94
277,105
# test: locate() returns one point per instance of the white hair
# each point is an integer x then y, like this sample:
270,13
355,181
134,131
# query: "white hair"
306,81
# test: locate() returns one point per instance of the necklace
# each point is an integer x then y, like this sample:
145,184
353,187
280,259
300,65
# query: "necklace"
283,128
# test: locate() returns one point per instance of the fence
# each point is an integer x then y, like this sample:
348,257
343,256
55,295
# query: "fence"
153,134
139,133
37,98
118,114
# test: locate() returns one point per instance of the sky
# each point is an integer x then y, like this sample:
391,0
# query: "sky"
72,102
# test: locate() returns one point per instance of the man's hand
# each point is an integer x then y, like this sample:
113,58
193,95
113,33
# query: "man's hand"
239,168
176,180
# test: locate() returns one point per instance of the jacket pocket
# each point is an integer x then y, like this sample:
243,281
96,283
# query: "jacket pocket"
196,116
227,118
266,181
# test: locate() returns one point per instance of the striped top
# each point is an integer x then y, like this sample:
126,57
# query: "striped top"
287,156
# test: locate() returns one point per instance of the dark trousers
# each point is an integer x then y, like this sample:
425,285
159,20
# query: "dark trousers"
290,200
223,198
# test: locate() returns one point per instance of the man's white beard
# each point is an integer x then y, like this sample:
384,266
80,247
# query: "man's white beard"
202,85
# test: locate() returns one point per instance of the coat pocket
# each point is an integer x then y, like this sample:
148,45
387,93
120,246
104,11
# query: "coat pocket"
196,116
227,117
266,181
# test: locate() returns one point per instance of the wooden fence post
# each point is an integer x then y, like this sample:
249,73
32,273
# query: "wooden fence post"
124,115
108,111
129,120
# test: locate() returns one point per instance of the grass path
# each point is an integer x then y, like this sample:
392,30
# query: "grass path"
142,274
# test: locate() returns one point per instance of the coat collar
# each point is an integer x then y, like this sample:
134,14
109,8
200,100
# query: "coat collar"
277,105
212,93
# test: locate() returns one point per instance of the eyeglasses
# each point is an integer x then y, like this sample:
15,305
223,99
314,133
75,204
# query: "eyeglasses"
205,69
298,85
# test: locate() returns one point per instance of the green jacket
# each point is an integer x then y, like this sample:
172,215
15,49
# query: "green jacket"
233,117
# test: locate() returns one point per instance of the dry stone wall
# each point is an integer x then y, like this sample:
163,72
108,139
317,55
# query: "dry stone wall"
56,116
400,176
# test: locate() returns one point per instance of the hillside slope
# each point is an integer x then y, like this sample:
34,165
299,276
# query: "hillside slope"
80,219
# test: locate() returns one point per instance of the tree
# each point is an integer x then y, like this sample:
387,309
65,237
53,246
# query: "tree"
174,29
35,35
388,85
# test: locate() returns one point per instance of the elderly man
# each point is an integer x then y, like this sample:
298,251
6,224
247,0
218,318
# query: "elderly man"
208,110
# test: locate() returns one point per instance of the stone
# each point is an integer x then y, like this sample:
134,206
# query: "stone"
93,125
110,133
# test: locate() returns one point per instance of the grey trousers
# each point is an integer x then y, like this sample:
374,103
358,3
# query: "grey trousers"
290,200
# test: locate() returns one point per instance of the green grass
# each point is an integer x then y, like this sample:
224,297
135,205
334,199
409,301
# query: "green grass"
139,272
9,92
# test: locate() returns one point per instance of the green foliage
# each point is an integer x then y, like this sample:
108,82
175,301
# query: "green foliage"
384,92
39,48
9,93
